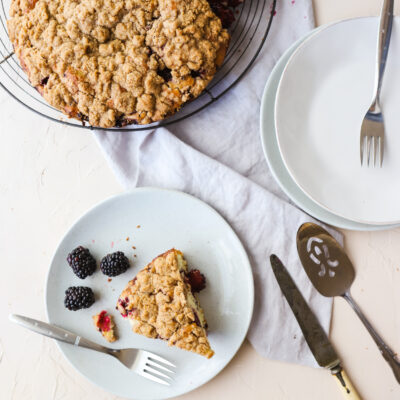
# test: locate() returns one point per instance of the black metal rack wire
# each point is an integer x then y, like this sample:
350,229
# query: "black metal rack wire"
249,32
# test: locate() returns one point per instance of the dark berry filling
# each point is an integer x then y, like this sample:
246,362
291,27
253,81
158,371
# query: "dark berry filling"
196,318
124,303
224,9
165,74
44,81
196,280
82,117
123,121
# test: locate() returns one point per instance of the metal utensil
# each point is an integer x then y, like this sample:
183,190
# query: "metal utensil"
6,57
315,336
373,128
142,362
332,273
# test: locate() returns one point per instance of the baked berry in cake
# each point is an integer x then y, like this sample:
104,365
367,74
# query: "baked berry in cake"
224,9
114,63
104,323
159,302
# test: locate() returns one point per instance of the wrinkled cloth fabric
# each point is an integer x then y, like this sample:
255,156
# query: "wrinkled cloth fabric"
216,156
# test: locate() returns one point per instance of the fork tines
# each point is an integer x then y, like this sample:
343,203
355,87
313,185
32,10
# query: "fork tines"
152,366
371,145
372,139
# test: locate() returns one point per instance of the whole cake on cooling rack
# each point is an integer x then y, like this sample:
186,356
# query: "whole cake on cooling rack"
117,62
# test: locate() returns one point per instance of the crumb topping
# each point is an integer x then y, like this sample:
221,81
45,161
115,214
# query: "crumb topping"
160,304
114,62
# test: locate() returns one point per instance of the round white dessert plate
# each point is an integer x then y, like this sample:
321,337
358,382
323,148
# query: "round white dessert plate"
143,224
324,92
274,158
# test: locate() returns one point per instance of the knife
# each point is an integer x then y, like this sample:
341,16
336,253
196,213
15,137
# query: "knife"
315,336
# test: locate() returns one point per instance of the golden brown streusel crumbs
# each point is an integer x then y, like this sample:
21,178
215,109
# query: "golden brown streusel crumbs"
157,303
114,62
104,323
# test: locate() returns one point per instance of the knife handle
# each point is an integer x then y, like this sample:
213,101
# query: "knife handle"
348,390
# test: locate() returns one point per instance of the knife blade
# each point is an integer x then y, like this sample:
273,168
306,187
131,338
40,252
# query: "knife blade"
315,336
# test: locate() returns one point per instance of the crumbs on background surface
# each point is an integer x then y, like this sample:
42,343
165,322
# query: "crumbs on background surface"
104,323
127,239
134,247
109,279
138,226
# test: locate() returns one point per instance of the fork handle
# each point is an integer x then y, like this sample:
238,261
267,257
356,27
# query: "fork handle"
57,333
385,30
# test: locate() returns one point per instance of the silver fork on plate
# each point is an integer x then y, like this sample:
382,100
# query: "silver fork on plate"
373,128
142,362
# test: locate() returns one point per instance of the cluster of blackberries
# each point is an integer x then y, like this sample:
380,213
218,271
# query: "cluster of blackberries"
83,265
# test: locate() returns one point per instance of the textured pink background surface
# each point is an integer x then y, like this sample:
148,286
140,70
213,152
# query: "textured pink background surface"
47,167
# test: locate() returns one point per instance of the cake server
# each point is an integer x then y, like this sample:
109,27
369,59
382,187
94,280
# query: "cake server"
332,273
316,338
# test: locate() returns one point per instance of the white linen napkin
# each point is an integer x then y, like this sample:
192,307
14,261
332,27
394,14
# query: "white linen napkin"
216,156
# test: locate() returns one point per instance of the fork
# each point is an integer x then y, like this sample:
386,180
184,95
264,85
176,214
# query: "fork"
142,362
373,128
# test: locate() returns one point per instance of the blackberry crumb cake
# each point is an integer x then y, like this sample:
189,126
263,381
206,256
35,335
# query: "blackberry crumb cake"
117,62
159,303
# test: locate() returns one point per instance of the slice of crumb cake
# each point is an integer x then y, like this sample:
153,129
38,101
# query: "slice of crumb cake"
159,303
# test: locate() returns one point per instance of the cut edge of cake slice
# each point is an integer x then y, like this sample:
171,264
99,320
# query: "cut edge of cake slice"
159,302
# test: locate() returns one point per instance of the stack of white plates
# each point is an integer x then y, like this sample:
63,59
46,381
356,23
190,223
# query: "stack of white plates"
311,113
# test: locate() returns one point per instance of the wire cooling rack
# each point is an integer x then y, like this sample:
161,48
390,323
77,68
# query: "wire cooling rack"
248,34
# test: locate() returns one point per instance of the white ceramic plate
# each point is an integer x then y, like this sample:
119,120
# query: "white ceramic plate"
167,219
323,95
274,158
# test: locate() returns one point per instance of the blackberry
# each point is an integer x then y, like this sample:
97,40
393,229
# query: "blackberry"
114,264
78,297
82,262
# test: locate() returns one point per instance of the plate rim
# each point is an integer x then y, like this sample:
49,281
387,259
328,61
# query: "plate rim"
266,125
241,248
383,224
